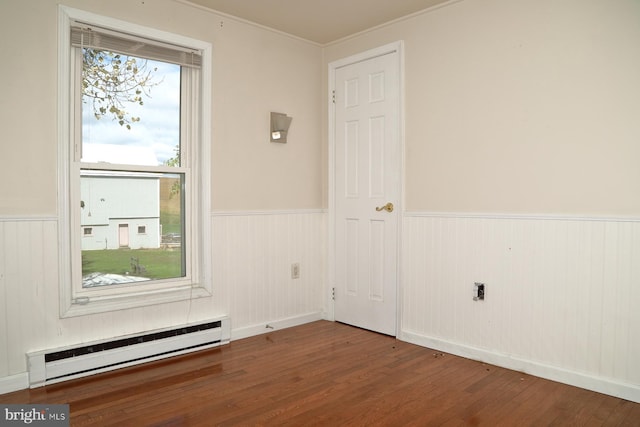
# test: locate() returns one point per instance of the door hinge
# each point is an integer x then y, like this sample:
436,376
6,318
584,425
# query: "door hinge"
333,96
333,294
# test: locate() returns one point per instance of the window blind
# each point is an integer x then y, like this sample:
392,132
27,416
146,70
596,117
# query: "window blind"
90,36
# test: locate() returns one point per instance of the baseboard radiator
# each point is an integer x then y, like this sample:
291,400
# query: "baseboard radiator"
61,364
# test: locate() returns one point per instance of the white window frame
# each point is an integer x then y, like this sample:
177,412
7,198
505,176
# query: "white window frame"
197,283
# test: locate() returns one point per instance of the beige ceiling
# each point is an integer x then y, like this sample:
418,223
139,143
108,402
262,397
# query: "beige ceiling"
320,21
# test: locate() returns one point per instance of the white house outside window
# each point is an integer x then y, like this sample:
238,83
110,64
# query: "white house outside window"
136,162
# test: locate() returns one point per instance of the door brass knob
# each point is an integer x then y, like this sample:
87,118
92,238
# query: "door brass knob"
388,207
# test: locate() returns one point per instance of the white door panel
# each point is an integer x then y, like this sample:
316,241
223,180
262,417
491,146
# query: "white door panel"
367,177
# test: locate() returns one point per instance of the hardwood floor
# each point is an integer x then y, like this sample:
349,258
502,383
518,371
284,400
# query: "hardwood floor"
326,374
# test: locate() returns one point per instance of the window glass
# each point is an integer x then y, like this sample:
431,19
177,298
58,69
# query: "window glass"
134,121
130,117
118,252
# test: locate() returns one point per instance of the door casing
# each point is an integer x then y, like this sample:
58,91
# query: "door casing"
398,47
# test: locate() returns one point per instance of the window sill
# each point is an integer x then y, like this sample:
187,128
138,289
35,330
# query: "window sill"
124,302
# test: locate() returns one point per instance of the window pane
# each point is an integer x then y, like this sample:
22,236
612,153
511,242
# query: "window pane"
130,110
115,206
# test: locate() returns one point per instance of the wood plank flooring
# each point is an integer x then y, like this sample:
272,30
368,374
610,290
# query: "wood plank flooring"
326,374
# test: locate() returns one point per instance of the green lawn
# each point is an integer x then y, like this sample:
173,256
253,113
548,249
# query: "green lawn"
158,263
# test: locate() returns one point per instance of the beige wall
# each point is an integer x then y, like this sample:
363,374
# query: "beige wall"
514,106
511,106
255,71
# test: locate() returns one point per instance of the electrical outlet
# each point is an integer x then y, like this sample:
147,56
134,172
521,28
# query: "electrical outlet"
295,270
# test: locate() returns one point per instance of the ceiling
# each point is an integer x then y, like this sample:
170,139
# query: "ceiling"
320,21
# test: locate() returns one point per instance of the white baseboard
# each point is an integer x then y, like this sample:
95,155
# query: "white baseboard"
262,328
598,384
14,383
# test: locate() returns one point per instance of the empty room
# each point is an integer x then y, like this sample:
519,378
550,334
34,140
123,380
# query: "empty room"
356,212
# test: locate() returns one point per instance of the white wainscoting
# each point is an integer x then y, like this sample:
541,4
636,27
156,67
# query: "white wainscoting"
562,295
561,302
252,256
252,285
28,264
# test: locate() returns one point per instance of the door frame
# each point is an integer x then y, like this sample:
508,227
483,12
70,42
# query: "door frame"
398,47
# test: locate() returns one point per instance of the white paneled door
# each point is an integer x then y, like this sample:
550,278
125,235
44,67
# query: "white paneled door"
367,191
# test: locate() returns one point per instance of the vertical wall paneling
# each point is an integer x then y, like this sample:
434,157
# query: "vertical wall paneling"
560,293
28,280
253,256
633,372
4,315
17,247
